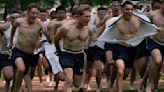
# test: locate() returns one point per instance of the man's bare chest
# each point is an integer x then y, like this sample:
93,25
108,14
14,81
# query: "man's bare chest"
78,34
128,28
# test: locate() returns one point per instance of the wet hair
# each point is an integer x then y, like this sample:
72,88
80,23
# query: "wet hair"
82,8
127,2
31,5
60,8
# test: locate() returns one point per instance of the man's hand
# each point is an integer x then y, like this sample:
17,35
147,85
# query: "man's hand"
10,45
160,29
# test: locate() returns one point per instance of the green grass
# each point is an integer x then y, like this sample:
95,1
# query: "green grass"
161,77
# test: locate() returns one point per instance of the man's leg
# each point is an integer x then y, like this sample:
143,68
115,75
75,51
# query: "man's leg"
137,68
68,73
107,67
120,72
27,79
8,75
154,69
99,69
19,74
89,69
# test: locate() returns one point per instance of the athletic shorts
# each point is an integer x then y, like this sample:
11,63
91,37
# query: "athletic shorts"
91,53
5,60
72,60
100,54
127,54
142,49
108,46
154,45
30,60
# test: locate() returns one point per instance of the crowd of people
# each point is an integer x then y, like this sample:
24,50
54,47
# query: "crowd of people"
120,40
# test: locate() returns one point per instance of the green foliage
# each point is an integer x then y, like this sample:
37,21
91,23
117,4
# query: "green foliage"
45,3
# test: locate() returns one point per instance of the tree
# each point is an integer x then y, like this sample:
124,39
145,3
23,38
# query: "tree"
10,6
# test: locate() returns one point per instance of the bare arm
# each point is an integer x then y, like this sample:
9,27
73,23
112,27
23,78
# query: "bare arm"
4,26
44,30
13,30
59,35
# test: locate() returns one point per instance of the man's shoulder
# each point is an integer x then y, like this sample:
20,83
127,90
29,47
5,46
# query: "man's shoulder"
20,19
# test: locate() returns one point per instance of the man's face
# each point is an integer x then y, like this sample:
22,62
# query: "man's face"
116,9
61,14
13,18
156,6
85,18
109,12
128,10
32,14
101,14
43,16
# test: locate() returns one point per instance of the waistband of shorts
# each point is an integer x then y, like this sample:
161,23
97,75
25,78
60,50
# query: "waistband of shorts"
70,51
15,48
160,43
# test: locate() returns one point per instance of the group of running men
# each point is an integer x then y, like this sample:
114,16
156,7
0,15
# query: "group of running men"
72,46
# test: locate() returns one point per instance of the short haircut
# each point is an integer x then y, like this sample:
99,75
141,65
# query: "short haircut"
31,5
127,2
101,8
115,1
60,8
74,11
42,10
14,10
82,8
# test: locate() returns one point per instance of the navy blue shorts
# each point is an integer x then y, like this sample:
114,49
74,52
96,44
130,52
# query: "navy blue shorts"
127,54
142,49
100,54
30,60
74,61
91,53
153,45
108,46
5,61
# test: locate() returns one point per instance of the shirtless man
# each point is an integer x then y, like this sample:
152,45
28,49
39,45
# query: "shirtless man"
156,48
124,56
74,34
53,26
6,63
28,35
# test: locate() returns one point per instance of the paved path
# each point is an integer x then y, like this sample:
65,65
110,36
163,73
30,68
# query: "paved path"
45,87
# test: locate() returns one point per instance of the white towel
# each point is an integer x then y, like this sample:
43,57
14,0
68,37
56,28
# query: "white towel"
52,57
110,33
